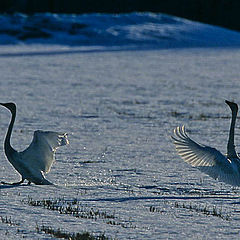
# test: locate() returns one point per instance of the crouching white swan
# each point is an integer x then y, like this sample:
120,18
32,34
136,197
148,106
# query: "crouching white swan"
38,158
225,168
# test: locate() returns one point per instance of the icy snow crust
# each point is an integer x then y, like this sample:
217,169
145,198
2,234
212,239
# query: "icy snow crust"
120,172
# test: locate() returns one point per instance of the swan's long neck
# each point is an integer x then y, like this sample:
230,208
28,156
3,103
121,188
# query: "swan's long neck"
231,153
7,144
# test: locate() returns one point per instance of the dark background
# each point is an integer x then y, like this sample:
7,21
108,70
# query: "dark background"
224,13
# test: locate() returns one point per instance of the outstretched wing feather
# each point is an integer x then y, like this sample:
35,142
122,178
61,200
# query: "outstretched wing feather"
207,159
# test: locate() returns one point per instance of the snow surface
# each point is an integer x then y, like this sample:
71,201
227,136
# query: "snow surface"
119,106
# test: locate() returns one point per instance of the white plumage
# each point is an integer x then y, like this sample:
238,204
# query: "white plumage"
207,159
38,158
41,152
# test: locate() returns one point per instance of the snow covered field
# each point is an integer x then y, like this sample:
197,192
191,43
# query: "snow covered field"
120,176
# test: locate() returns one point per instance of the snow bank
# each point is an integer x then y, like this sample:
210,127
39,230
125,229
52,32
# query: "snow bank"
141,29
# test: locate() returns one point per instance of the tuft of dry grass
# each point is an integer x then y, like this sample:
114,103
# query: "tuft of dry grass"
58,233
70,207
78,210
206,210
9,221
213,211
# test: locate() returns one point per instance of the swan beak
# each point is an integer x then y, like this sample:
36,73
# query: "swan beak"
232,105
4,105
11,106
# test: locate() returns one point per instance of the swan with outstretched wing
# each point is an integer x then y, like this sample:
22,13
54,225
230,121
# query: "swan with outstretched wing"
38,158
225,168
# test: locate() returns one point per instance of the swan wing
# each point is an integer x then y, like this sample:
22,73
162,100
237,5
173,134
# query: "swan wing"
207,159
40,154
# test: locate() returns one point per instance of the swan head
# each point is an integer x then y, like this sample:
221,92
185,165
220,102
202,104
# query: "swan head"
10,106
232,105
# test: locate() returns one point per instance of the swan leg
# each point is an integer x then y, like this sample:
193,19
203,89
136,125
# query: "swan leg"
15,183
29,183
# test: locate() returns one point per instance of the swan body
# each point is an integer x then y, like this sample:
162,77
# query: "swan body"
38,158
225,168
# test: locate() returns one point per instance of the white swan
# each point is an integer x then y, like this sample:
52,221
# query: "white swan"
38,158
210,160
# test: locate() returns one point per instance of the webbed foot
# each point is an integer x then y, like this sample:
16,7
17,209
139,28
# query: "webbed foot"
15,183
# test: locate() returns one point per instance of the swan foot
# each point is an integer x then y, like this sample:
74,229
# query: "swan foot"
15,183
